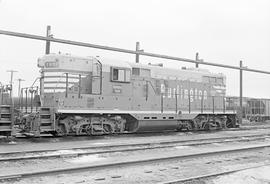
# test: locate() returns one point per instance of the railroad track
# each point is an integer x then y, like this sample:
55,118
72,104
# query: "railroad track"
115,164
243,128
45,154
211,175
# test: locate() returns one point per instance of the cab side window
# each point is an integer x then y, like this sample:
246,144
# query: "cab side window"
120,75
213,79
206,79
115,74
136,71
220,80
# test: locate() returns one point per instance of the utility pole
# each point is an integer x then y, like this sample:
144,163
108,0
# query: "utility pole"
241,92
48,43
11,86
11,82
19,92
197,59
138,50
11,76
19,88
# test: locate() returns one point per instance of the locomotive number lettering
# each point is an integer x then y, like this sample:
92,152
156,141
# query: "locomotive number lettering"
53,64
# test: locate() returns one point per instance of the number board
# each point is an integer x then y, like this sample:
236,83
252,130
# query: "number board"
52,64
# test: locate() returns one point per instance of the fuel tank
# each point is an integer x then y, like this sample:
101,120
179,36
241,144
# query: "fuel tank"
156,122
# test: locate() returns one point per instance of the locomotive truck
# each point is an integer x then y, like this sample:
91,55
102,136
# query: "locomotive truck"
95,96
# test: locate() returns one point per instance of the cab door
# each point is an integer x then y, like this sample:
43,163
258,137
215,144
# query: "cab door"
96,78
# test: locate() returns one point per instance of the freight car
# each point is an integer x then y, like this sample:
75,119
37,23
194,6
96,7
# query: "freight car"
95,96
254,109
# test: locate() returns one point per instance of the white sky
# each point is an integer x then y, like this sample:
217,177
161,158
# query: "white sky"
222,31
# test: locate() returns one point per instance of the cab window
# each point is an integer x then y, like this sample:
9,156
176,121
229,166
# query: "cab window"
206,79
220,80
136,71
213,79
120,75
145,72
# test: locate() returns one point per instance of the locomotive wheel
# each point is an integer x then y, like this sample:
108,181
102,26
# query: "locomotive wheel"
206,126
107,129
212,125
187,125
179,128
88,130
231,122
190,126
61,131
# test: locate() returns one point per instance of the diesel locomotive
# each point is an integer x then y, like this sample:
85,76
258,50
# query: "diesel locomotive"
95,96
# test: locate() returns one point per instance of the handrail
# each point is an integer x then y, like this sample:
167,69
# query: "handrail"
35,81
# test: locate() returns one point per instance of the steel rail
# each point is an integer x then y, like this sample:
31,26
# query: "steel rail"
83,44
200,177
138,147
137,144
133,144
126,163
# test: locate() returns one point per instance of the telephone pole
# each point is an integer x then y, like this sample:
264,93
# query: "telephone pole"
19,88
48,43
197,59
241,93
11,75
137,58
11,85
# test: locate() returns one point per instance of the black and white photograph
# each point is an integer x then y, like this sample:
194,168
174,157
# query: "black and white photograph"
134,92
